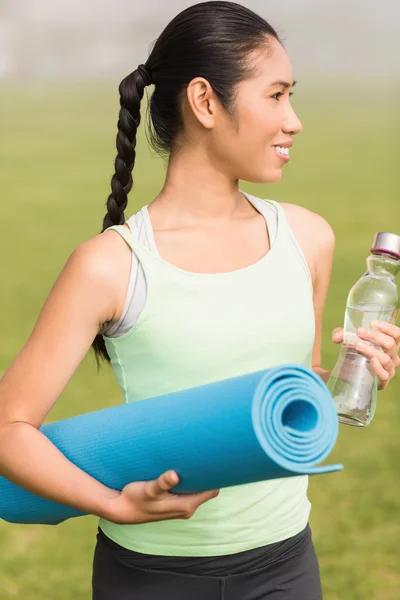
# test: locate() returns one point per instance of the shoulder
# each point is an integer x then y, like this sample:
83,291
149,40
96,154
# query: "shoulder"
305,220
314,234
104,261
100,254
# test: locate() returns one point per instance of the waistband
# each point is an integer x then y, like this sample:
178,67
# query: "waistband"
214,566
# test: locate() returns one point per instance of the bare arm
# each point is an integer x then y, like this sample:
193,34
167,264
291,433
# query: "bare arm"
82,297
324,247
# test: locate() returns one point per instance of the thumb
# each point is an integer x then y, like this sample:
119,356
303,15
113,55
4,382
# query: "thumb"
337,335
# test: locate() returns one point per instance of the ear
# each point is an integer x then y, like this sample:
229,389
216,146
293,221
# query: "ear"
202,101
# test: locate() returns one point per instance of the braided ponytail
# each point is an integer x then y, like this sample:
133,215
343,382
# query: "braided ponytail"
131,90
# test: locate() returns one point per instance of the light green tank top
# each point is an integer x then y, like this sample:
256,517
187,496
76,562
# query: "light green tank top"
198,328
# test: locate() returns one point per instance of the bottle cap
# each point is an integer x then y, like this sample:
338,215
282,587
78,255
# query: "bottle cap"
386,242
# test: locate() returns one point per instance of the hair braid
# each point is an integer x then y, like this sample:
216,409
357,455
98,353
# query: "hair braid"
131,90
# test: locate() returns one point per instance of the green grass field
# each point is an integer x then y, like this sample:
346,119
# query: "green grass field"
57,147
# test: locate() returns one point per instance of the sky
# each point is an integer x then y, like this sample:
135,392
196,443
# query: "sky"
102,38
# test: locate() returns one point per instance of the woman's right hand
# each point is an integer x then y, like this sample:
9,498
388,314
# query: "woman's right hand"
146,501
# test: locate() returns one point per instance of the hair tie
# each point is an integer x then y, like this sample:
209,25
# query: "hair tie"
145,75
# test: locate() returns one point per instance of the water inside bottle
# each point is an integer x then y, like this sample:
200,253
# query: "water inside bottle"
353,382
362,316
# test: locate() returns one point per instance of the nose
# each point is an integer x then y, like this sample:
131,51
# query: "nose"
292,123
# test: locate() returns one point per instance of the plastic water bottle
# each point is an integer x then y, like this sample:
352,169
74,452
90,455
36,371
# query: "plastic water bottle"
375,297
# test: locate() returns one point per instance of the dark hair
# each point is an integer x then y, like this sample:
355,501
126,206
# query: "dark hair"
210,40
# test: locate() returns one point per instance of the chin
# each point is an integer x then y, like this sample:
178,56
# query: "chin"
270,176
274,176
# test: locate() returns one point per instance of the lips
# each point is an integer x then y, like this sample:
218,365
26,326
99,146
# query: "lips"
286,144
282,152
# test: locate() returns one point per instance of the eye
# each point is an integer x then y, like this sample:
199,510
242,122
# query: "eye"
279,94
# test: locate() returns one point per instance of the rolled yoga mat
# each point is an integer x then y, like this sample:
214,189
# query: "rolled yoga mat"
276,423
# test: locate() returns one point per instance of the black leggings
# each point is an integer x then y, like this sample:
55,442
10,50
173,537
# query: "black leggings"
287,570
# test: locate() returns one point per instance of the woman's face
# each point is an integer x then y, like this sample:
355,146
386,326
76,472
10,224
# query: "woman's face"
244,144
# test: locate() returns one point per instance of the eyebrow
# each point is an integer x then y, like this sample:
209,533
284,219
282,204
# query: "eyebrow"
285,84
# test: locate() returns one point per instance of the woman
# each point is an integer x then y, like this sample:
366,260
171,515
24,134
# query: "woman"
197,286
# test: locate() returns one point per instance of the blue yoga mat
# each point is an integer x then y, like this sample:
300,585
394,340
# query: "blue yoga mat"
270,424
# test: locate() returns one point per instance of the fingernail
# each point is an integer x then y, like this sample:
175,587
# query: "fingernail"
360,345
361,331
374,324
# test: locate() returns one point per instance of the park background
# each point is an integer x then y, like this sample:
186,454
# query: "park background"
60,66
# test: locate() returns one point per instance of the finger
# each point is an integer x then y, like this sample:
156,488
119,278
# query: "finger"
337,335
205,496
383,359
157,487
184,505
386,342
381,373
391,330
198,499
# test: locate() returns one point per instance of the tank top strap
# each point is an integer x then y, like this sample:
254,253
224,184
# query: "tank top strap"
286,238
133,243
280,213
124,232
282,226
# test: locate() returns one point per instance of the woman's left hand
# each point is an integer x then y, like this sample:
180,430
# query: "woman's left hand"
386,336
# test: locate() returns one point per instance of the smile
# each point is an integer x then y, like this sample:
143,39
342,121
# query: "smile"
282,152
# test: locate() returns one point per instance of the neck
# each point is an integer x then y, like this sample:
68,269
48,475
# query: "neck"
196,190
